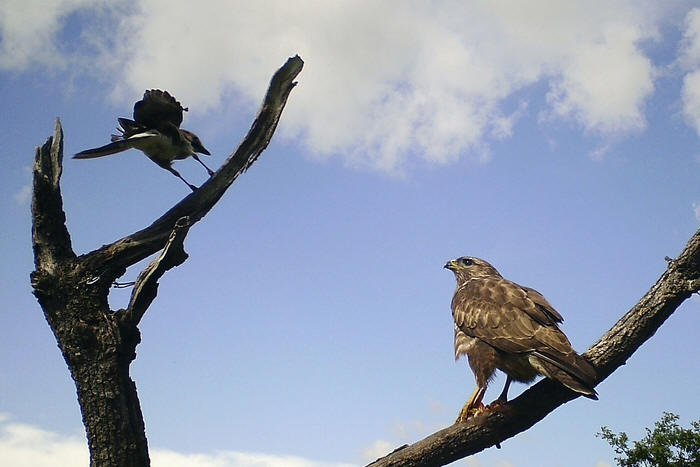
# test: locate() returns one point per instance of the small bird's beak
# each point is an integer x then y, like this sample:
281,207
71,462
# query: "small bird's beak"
451,265
202,150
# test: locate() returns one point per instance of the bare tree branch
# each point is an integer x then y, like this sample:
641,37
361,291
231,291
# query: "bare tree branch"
146,286
676,284
110,261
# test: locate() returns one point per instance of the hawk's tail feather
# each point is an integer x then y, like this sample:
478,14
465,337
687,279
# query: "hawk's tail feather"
576,374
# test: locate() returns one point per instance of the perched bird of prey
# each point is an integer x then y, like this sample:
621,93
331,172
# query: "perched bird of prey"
156,131
502,325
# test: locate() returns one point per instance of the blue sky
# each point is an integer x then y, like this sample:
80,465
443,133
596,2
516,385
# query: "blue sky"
311,324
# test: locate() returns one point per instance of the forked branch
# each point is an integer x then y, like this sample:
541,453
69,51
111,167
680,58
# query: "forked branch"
146,286
110,261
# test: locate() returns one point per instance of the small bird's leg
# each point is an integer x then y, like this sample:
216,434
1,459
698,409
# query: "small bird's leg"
177,174
211,172
473,405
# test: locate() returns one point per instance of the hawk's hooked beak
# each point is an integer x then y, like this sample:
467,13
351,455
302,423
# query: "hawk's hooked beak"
451,265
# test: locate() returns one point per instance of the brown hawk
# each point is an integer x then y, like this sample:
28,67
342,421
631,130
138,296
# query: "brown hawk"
500,324
156,131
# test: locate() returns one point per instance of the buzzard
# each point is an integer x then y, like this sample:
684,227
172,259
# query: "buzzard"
156,131
502,325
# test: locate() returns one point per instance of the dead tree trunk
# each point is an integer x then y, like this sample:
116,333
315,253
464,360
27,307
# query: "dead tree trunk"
99,344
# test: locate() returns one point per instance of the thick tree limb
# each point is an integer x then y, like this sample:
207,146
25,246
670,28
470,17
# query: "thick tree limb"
679,282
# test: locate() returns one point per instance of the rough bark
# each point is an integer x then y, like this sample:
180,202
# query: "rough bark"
680,280
99,344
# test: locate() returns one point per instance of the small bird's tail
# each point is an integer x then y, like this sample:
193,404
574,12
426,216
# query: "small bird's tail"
106,150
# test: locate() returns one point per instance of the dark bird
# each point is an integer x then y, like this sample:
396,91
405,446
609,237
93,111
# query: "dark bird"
156,131
502,325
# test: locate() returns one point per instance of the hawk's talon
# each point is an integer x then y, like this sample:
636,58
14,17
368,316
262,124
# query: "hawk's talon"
468,412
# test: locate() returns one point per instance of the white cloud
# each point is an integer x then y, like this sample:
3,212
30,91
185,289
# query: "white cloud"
29,31
599,153
690,52
28,446
690,60
696,210
605,83
691,99
385,83
24,445
23,195
162,458
379,448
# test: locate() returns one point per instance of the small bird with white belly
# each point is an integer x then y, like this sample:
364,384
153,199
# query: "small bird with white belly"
155,130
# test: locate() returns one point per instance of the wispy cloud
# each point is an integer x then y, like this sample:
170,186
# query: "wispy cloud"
30,32
690,61
379,448
23,195
23,445
599,153
433,84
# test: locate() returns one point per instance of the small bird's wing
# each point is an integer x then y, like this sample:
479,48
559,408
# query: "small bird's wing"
116,146
128,128
158,108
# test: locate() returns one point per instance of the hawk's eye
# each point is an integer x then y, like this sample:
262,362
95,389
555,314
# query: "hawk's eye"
467,261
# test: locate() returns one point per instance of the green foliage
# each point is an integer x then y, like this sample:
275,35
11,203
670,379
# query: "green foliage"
668,445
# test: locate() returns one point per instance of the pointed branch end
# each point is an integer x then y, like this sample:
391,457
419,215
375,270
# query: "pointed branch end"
49,233
48,162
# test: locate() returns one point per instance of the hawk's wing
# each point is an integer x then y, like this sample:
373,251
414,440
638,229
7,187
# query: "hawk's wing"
514,319
543,312
502,314
157,109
